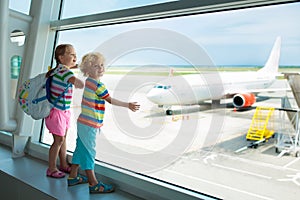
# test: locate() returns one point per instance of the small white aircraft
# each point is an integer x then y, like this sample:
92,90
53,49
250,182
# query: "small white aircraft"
197,88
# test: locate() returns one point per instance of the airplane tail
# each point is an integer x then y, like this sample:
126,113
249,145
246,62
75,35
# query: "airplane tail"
271,66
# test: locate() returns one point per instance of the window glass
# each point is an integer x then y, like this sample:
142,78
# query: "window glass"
75,8
197,146
20,6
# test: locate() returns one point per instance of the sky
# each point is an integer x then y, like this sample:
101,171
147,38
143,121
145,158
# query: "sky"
240,37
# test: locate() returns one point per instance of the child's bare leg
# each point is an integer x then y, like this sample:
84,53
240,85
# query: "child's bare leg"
91,177
63,154
74,171
54,150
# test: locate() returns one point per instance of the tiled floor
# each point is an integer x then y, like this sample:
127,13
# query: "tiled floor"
32,172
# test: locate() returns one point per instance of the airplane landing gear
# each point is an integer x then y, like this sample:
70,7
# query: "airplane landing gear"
168,109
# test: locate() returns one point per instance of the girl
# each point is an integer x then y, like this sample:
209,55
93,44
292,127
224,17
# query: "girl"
89,122
58,121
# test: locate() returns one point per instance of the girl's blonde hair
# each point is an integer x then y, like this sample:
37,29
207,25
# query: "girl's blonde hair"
90,60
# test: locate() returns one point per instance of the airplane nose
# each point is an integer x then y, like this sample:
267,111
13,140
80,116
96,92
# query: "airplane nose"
153,96
161,96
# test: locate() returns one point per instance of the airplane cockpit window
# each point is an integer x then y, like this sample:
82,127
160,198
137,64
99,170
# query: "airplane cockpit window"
162,87
158,86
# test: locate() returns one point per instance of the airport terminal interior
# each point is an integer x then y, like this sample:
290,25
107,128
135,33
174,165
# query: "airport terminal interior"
217,82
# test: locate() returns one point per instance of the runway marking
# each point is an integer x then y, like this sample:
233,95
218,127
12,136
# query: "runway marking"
210,157
259,163
292,162
293,178
220,185
243,171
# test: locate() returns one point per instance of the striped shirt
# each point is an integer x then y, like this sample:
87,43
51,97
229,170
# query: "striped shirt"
59,84
93,103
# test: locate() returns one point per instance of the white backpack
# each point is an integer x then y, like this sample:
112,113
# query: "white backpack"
34,96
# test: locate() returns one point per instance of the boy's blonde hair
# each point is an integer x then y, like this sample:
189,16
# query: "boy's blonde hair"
89,60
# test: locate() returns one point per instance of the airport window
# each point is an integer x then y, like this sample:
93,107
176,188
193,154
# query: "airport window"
196,146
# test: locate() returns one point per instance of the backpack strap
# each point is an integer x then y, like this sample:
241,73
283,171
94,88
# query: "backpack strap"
35,101
66,89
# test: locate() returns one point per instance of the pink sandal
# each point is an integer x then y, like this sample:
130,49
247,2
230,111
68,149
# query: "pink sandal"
55,174
65,169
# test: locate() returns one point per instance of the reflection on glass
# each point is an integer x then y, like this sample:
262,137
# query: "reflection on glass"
184,148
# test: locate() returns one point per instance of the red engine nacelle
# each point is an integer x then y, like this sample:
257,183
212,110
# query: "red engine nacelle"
243,100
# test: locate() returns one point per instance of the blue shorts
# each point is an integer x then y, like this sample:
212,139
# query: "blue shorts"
85,151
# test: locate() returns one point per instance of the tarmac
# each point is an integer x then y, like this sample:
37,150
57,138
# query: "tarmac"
196,147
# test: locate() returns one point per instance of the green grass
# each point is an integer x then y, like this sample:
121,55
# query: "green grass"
184,71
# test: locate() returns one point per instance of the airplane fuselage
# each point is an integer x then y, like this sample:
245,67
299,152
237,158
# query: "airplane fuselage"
196,88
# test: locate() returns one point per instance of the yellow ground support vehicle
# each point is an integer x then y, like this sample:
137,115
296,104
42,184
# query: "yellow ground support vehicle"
261,128
262,125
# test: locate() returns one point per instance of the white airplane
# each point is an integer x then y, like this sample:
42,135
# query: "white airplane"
197,88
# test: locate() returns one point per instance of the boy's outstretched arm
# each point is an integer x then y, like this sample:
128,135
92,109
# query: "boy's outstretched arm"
133,106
